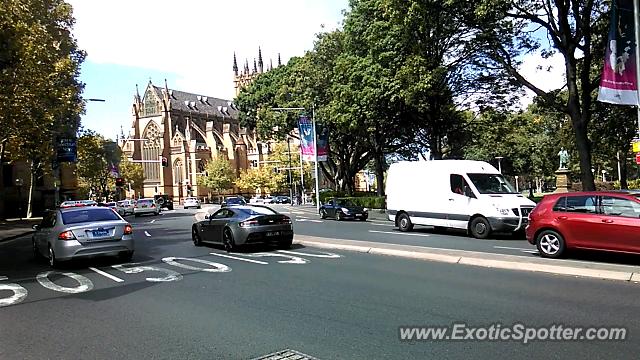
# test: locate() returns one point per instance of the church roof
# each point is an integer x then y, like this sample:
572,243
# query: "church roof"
201,104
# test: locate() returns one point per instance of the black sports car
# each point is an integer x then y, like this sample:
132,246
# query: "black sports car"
341,209
247,224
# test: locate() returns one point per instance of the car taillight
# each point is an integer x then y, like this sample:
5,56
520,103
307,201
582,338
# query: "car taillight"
153,205
249,223
67,235
128,229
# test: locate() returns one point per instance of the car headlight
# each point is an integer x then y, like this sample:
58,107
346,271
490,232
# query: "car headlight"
345,210
503,211
365,209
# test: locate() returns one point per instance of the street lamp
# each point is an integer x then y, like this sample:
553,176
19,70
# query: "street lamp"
604,179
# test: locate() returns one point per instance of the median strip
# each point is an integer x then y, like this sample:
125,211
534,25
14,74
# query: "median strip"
475,258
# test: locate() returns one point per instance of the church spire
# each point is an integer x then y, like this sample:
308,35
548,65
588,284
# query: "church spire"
255,68
235,64
137,93
260,63
279,61
246,66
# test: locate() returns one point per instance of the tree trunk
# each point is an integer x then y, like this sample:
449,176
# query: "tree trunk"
584,152
623,169
32,180
2,185
379,163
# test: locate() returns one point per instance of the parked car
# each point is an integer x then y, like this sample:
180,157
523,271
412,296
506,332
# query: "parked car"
164,201
112,205
125,207
268,200
233,201
604,220
282,199
70,233
81,203
192,202
460,194
256,200
146,206
240,225
342,209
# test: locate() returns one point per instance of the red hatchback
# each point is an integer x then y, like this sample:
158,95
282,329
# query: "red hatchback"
599,220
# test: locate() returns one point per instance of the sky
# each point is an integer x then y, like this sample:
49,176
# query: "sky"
191,43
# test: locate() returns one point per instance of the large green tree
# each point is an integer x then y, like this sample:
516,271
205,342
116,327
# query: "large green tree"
219,175
97,158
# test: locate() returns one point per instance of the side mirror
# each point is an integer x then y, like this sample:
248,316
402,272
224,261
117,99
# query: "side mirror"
35,227
468,192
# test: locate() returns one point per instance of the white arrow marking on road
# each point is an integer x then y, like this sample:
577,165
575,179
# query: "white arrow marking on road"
152,221
241,259
106,274
147,233
327,255
397,233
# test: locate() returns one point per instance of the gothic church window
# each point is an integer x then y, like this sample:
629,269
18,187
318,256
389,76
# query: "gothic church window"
151,152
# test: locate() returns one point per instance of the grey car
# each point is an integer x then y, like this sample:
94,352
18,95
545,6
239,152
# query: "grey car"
240,225
66,234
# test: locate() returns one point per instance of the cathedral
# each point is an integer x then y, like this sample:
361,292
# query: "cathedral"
175,133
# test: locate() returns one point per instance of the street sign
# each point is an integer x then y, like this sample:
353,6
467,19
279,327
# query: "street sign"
67,150
636,146
638,158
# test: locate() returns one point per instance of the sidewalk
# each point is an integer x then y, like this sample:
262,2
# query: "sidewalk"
14,228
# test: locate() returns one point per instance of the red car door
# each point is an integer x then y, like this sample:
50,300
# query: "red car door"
577,219
620,230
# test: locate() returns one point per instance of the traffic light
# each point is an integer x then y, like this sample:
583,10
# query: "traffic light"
165,162
189,187
119,182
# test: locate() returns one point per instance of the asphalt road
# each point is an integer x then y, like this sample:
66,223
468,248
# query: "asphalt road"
341,306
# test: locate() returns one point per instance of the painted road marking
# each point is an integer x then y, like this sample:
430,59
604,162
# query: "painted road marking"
382,224
292,259
152,221
241,259
215,267
309,220
147,233
385,221
326,255
84,284
397,233
106,274
530,251
19,293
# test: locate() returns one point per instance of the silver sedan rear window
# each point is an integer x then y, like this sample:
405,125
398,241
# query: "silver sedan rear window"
88,215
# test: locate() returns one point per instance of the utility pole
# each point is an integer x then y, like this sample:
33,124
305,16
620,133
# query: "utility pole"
289,178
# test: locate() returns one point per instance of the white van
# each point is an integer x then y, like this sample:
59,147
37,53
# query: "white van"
460,194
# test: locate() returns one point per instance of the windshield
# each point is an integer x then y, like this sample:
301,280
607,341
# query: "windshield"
257,211
145,201
342,202
491,184
234,201
88,215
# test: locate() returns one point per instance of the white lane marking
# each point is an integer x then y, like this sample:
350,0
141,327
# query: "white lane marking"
299,213
106,274
84,284
397,233
152,221
530,251
241,259
292,259
285,212
215,267
391,225
19,293
326,255
309,220
385,221
147,233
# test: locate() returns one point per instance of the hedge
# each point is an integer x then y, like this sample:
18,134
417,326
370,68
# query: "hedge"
360,199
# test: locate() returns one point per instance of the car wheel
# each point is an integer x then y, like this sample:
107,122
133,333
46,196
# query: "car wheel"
53,262
195,236
323,214
480,228
363,219
227,240
136,215
286,244
199,207
550,244
338,215
126,257
404,222
439,229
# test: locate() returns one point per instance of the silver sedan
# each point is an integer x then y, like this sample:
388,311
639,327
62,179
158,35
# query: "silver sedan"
240,225
67,234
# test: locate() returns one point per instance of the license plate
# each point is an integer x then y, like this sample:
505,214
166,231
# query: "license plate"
273,233
144,206
100,233
358,215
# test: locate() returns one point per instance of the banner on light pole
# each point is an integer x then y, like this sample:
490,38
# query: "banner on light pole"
619,82
307,141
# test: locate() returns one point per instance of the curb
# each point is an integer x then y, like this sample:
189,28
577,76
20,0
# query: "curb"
490,260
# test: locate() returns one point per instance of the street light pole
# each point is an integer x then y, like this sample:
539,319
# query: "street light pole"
290,178
499,158
315,151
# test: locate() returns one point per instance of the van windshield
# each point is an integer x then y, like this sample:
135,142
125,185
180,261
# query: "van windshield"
491,184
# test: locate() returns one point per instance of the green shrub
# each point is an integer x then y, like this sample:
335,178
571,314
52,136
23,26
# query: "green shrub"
633,184
371,202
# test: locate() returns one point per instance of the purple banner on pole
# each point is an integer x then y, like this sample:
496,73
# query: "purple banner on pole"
619,82
307,141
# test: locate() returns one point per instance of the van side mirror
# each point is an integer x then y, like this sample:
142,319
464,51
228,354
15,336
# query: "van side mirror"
468,192
207,216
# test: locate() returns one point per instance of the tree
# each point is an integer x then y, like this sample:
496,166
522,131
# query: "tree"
96,159
574,28
132,173
263,178
284,159
219,175
39,71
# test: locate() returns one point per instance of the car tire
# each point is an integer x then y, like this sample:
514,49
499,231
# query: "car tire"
126,257
53,262
480,228
550,244
195,236
338,215
404,222
439,229
323,214
136,215
227,240
363,219
199,207
286,244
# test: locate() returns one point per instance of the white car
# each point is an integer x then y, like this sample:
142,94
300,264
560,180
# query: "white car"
146,206
268,200
192,202
256,200
125,207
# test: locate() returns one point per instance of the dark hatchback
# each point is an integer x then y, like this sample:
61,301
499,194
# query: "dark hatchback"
342,209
